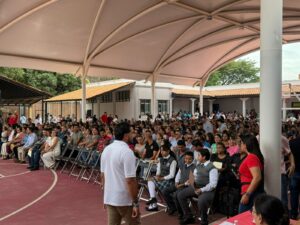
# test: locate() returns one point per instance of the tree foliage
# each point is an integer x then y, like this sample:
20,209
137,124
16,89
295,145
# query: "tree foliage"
235,72
53,83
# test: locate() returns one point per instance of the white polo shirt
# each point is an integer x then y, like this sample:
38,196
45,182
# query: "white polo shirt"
117,164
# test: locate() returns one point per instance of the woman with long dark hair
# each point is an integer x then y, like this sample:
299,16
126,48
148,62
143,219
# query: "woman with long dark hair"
250,171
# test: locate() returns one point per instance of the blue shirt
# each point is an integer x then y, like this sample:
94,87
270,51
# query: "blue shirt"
32,138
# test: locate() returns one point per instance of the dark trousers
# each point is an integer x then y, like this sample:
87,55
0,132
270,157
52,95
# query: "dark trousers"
168,194
34,160
15,150
284,189
295,187
183,197
205,200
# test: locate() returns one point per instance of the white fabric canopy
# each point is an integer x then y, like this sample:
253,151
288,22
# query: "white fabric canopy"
179,41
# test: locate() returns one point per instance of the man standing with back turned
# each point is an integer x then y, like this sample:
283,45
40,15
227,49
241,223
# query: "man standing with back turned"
118,172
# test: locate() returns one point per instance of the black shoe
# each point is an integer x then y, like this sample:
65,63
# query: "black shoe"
171,211
152,200
152,207
185,221
29,167
180,217
33,169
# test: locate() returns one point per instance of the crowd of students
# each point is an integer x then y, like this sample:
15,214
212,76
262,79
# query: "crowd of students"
213,161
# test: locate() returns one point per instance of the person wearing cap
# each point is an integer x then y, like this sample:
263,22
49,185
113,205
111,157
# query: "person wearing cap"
165,174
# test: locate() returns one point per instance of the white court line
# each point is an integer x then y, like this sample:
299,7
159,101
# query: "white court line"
149,214
153,213
20,164
34,201
14,175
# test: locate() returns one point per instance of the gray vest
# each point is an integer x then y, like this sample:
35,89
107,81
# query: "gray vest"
165,166
202,174
185,173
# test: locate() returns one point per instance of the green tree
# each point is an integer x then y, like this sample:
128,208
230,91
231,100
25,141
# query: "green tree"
53,83
235,72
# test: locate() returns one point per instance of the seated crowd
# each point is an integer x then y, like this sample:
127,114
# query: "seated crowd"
211,163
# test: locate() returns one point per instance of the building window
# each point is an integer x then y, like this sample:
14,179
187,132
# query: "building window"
163,106
145,105
123,96
105,98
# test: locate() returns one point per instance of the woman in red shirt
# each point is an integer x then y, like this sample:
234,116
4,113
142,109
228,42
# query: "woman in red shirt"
251,172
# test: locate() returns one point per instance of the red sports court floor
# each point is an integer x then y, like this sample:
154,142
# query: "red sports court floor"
47,197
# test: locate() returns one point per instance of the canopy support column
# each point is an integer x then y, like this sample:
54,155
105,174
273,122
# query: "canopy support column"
83,99
270,94
244,106
193,105
284,109
171,108
153,110
201,97
211,101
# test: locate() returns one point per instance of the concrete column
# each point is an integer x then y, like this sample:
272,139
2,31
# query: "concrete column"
83,100
284,109
201,98
244,106
211,101
193,105
153,99
171,108
270,91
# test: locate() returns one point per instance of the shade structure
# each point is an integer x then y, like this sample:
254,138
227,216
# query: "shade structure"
15,93
179,41
91,92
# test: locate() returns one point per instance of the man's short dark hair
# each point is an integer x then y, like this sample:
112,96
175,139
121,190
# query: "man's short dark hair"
120,130
181,142
205,153
197,143
189,153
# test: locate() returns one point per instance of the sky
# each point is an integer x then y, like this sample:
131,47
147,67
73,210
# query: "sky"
290,60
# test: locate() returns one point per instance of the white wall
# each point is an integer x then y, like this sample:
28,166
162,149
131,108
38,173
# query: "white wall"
124,110
231,104
106,107
182,104
145,92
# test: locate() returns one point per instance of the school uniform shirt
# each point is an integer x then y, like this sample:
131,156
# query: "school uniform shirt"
173,166
117,164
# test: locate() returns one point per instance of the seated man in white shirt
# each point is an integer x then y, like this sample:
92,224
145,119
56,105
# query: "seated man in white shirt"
165,174
203,186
